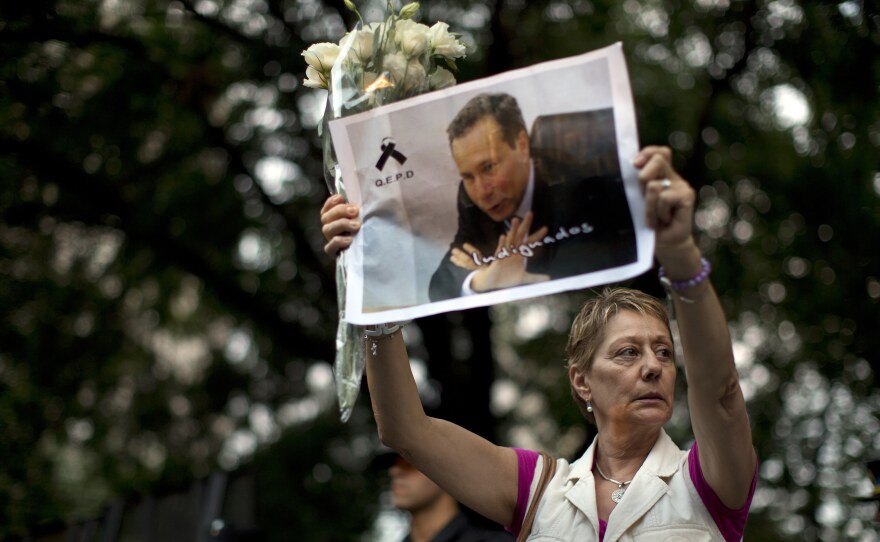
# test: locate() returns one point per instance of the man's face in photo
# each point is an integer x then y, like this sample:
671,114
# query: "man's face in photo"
495,174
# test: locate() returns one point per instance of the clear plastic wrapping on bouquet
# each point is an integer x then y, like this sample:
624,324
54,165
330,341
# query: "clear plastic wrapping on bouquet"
373,65
355,87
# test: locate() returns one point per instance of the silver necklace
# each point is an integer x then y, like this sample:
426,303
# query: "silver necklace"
617,494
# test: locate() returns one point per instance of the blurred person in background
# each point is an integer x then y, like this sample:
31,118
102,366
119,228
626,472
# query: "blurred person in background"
434,516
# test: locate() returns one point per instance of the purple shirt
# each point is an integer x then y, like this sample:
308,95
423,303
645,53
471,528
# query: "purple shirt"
730,522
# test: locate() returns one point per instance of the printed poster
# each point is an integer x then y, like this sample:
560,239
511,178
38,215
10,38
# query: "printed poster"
501,189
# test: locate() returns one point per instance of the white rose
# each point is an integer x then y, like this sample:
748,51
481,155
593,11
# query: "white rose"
441,78
395,65
321,56
405,73
416,78
411,37
314,78
443,43
361,42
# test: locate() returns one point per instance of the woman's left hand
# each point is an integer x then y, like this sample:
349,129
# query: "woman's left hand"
669,199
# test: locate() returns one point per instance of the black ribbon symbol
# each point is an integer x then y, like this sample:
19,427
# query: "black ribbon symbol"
388,150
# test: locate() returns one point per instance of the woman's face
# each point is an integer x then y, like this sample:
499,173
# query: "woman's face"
632,378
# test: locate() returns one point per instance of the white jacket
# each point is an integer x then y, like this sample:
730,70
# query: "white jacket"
661,503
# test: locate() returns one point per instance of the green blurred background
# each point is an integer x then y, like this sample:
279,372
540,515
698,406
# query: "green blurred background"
168,312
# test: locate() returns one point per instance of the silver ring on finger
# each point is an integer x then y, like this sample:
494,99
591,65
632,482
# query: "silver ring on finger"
665,183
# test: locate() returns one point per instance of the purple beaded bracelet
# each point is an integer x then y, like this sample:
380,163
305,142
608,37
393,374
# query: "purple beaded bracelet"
679,285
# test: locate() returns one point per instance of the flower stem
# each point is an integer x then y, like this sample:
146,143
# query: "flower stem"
350,5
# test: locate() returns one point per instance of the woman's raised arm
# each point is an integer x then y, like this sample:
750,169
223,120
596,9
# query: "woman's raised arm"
717,406
477,473
474,471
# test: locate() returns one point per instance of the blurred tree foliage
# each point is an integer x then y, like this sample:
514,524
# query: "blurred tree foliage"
168,311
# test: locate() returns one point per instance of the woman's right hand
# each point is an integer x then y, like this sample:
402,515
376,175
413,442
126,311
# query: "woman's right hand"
339,223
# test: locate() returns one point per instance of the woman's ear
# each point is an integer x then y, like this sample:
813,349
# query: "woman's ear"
580,382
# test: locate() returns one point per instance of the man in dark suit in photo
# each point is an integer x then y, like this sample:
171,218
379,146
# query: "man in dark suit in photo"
533,209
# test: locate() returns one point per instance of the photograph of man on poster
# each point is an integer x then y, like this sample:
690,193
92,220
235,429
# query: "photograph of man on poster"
532,208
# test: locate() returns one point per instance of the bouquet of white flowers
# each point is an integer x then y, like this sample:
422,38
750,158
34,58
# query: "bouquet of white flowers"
373,65
381,63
